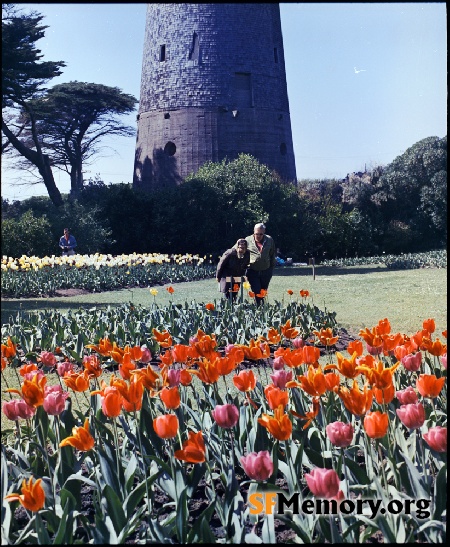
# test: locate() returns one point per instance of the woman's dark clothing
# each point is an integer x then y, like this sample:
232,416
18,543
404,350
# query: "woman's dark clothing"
230,265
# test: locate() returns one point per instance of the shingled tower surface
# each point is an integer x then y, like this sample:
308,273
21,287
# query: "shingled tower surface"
213,86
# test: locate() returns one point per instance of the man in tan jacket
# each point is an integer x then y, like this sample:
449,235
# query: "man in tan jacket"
262,260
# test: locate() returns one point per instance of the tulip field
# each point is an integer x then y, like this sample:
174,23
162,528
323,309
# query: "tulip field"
221,423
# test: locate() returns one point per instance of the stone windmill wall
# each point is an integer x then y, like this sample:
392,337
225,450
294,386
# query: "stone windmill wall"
213,86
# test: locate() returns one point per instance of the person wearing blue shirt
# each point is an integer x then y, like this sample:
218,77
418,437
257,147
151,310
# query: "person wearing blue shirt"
67,243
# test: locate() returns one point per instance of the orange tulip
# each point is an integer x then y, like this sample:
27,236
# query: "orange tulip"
27,368
429,386
391,341
225,365
304,294
384,395
313,382
311,355
372,337
245,380
289,332
347,367
355,346
9,349
356,401
127,366
332,381
379,376
166,426
111,399
180,353
163,338
292,358
275,396
326,337
170,396
150,379
206,345
32,497
207,371
251,294
193,450
77,381
236,353
290,292
435,348
166,358
103,348
376,424
132,394
309,416
185,377
4,362
273,336
279,425
93,365
81,438
170,290
383,327
210,306
32,391
256,350
117,353
429,325
262,293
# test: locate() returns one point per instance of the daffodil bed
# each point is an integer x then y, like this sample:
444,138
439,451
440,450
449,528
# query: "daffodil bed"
178,440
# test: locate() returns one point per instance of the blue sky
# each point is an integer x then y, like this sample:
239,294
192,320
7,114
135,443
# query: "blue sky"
342,121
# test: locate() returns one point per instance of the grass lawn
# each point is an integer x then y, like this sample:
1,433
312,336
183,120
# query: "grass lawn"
360,296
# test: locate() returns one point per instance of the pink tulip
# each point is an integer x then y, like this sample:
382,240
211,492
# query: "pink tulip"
412,361
55,400
278,363
323,483
47,358
17,408
280,377
436,438
407,396
64,367
340,433
146,355
30,375
173,377
258,465
298,342
444,360
228,348
226,415
374,350
412,415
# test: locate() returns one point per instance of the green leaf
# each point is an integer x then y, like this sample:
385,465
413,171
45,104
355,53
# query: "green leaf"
114,508
440,493
182,517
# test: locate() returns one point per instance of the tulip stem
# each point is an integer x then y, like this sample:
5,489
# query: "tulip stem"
380,455
116,439
143,461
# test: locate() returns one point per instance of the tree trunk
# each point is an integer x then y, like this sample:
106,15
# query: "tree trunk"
40,160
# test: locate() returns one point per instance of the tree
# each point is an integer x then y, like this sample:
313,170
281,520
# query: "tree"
72,118
23,79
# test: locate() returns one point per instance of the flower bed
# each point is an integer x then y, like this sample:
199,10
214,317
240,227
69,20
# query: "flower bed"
199,434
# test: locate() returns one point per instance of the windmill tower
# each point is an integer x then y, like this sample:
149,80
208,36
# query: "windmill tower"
213,86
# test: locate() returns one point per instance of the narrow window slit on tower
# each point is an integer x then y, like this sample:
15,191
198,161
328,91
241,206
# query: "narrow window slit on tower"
194,51
162,53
